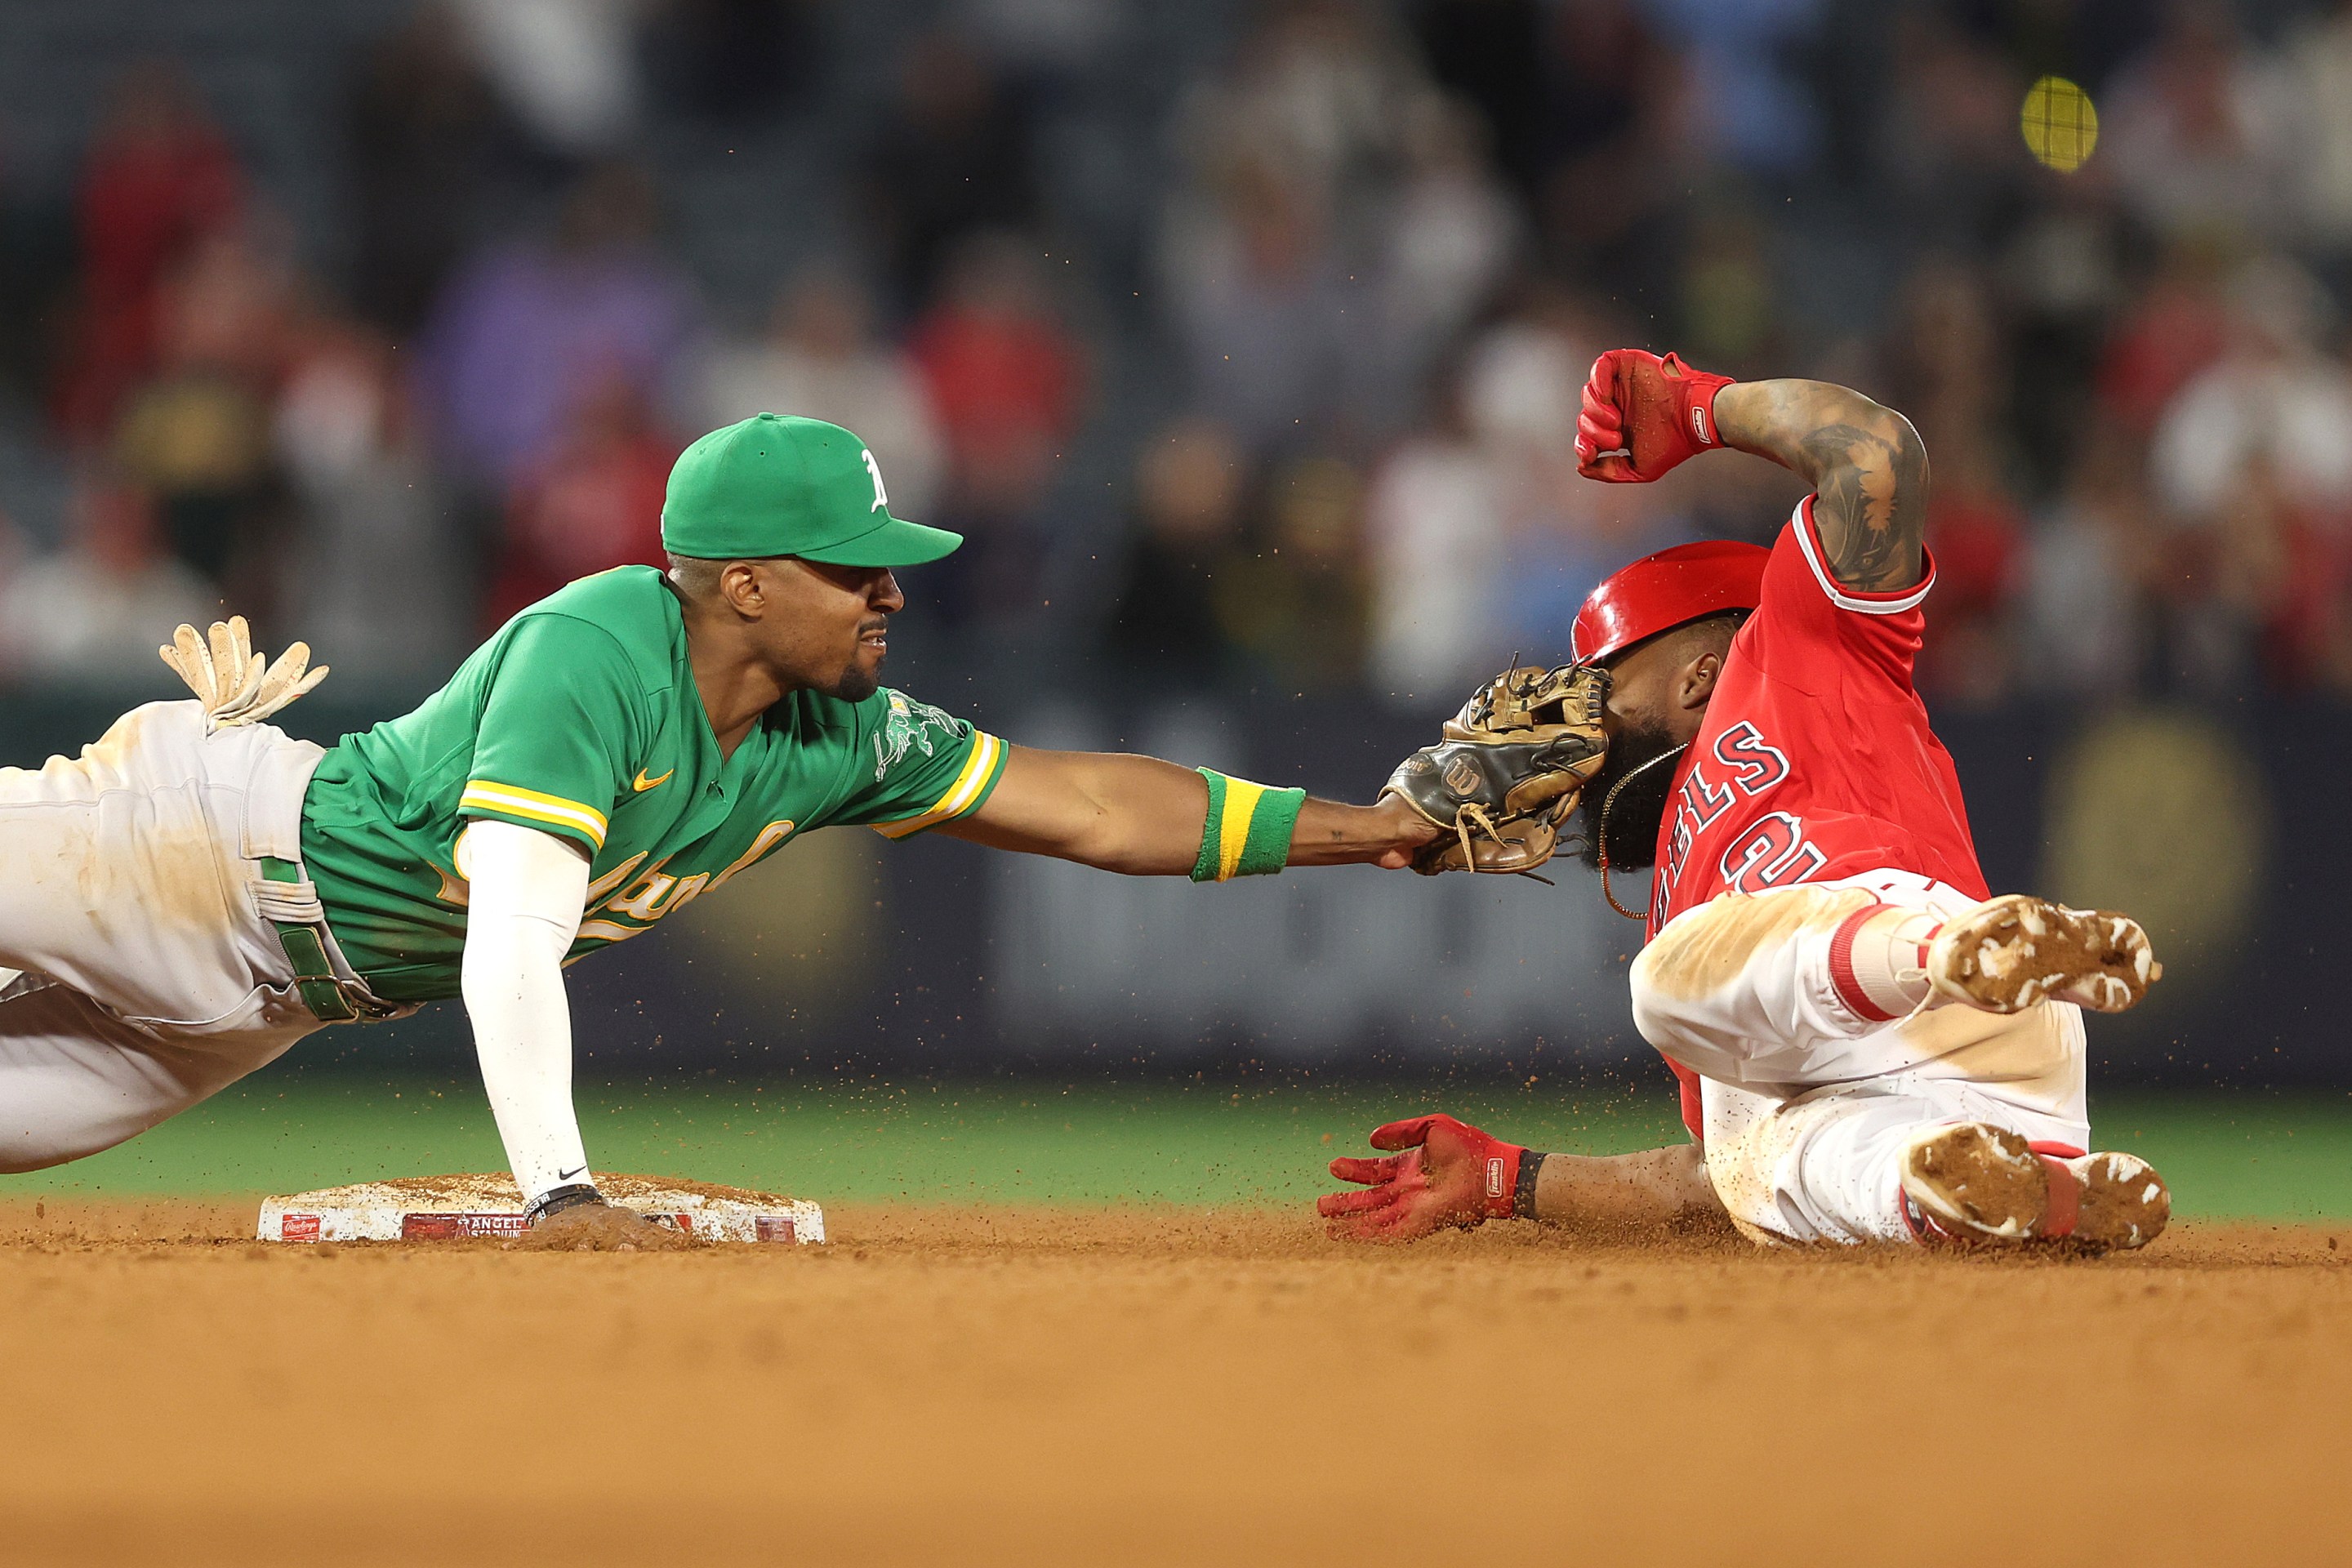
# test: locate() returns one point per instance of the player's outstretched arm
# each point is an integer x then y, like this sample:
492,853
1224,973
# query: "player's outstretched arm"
1448,1175
1145,818
523,904
1867,465
1643,415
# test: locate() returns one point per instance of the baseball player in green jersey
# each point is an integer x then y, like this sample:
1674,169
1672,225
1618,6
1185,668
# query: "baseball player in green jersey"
197,890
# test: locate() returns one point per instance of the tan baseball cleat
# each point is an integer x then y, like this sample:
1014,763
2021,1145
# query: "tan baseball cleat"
2009,953
1971,1182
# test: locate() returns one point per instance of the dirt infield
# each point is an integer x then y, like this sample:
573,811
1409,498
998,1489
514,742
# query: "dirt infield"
1160,1386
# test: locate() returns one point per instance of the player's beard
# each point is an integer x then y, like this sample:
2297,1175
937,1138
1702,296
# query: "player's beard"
1639,807
858,681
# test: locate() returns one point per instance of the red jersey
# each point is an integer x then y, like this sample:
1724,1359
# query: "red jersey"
1815,761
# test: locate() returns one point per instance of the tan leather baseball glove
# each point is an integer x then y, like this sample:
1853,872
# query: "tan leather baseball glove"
1509,769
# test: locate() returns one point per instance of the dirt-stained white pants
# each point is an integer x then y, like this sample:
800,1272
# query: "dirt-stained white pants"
1807,1104
138,975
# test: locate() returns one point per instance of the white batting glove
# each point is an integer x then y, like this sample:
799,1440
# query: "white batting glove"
231,679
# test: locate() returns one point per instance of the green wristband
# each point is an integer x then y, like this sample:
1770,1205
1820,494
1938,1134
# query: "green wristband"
1266,849
1204,867
1247,832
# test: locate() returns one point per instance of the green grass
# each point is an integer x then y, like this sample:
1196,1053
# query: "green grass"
2238,1154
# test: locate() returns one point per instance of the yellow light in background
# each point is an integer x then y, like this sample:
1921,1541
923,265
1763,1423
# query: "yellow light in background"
2061,126
2162,814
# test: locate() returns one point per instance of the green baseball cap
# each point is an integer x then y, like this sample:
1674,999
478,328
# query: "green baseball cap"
781,485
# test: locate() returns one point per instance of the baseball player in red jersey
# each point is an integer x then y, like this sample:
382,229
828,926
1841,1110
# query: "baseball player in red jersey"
1871,1048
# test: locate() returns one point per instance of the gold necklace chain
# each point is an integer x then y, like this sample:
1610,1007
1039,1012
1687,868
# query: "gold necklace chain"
1601,835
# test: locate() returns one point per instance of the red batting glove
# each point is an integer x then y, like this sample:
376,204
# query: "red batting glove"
1643,415
1450,1176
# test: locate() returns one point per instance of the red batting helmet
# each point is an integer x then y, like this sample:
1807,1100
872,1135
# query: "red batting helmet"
1660,592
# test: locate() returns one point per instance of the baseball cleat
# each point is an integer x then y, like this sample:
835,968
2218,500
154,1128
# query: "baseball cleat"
2120,1201
2009,953
1971,1182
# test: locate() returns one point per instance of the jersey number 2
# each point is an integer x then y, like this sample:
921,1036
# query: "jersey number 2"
1772,854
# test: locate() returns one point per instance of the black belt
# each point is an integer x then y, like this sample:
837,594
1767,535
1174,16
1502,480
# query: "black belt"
289,902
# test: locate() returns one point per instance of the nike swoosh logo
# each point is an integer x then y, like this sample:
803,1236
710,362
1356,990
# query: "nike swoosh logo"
567,1175
644,784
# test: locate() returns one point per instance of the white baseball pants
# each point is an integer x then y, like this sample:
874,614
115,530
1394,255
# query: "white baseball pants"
137,973
1806,1105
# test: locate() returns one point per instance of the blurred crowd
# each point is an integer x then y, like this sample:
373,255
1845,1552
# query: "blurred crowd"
1329,364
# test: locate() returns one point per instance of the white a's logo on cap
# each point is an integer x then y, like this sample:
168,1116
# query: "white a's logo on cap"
881,496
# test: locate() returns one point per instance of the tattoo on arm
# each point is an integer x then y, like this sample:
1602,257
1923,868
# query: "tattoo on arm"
1866,464
1871,510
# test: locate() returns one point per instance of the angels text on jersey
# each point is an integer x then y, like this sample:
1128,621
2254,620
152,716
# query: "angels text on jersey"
1774,852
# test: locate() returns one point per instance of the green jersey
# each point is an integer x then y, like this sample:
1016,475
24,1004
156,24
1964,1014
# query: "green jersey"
581,717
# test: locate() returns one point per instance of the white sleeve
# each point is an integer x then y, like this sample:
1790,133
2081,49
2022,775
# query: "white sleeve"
523,907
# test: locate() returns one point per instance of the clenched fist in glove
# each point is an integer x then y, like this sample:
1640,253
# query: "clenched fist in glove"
1643,415
1508,769
1449,1176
